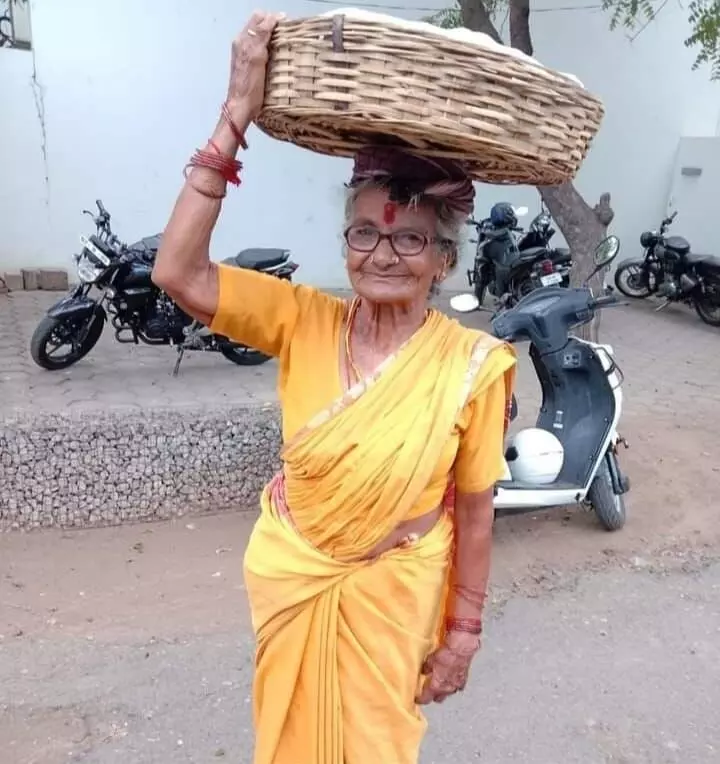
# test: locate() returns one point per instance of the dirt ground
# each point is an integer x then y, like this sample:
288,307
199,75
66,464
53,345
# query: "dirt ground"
132,644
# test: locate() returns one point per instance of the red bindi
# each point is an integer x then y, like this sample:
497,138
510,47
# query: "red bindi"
389,213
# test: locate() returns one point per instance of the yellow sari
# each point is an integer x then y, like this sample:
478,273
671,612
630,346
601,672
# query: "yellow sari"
341,639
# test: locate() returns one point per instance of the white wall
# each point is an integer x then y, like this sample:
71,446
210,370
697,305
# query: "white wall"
695,196
130,88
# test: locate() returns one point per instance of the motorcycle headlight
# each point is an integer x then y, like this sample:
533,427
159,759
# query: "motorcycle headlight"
647,239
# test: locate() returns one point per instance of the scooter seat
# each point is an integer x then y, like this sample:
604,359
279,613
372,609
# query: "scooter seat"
518,486
259,259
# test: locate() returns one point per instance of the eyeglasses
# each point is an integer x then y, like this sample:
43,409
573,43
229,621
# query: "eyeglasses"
365,238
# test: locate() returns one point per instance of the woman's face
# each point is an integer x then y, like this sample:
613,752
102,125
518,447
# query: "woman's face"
384,275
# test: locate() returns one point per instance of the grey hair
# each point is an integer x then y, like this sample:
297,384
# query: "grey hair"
449,225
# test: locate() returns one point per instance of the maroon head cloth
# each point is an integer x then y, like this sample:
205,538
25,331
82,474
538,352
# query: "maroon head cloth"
409,175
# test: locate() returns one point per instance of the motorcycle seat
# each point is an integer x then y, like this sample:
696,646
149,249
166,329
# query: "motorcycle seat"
560,255
710,260
678,244
528,255
258,258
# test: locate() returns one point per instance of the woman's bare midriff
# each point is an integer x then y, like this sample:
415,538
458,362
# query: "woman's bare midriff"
407,532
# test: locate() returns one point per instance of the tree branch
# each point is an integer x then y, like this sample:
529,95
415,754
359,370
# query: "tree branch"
520,26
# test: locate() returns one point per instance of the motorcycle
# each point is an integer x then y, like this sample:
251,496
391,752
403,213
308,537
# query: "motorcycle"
139,310
581,401
532,262
669,270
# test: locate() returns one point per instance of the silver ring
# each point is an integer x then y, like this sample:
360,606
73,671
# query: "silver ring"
252,33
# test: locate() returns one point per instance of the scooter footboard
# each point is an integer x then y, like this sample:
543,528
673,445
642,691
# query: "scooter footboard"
578,406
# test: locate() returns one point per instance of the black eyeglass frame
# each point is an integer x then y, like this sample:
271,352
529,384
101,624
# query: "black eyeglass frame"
389,237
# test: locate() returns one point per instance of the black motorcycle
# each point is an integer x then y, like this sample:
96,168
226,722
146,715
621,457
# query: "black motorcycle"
669,270
139,310
532,262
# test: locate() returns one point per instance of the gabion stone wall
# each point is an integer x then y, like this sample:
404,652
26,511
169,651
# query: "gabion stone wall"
105,468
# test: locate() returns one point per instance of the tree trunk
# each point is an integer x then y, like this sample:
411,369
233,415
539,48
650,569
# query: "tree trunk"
582,226
475,16
520,26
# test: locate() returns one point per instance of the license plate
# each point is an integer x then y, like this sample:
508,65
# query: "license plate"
551,278
88,271
96,252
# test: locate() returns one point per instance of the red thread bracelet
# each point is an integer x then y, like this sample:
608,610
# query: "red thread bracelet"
239,137
467,625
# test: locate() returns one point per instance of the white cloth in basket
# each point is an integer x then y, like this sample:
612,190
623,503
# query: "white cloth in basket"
459,34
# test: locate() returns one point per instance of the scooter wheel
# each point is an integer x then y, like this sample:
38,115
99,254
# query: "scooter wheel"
609,507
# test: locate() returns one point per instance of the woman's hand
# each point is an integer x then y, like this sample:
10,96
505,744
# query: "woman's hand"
448,667
248,67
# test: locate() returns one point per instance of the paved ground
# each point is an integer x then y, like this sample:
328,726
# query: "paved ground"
146,658
132,644
115,375
671,356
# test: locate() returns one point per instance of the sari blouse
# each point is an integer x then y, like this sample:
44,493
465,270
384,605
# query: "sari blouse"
303,326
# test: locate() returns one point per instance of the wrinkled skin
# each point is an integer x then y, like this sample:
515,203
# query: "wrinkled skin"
382,277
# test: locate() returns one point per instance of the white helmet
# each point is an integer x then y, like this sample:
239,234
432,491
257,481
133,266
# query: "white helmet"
535,456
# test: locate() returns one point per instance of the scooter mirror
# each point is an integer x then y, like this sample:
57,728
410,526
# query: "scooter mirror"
464,303
521,211
606,251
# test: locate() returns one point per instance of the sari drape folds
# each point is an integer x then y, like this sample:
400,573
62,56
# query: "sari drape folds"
341,638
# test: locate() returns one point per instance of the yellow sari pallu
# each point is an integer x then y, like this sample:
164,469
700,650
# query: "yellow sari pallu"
341,638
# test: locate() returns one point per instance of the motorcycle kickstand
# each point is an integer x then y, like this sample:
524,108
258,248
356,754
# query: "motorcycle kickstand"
663,306
181,353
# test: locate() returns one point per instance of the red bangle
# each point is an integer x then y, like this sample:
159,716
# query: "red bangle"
225,165
467,625
239,137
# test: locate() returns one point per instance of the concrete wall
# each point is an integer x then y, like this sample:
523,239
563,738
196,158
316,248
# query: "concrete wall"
695,196
125,90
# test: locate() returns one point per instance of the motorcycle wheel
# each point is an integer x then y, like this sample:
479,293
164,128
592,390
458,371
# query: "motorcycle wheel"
707,306
522,290
54,333
627,280
243,355
609,507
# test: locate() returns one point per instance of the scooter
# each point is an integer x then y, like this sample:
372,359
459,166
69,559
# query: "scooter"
581,399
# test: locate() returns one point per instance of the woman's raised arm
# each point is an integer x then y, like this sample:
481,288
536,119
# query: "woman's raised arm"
183,267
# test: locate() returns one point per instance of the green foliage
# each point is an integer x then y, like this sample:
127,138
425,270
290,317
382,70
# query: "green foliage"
447,18
629,13
703,15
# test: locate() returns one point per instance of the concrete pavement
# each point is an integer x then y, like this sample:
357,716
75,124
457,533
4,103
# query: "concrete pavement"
624,668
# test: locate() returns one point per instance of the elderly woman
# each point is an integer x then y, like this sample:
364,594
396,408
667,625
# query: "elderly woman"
367,569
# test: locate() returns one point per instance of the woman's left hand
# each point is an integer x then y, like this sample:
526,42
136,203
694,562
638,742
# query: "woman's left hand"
448,667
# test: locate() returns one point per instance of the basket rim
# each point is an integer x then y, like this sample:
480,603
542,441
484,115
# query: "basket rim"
499,53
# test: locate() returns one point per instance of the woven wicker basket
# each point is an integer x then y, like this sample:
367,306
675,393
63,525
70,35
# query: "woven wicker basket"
336,83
